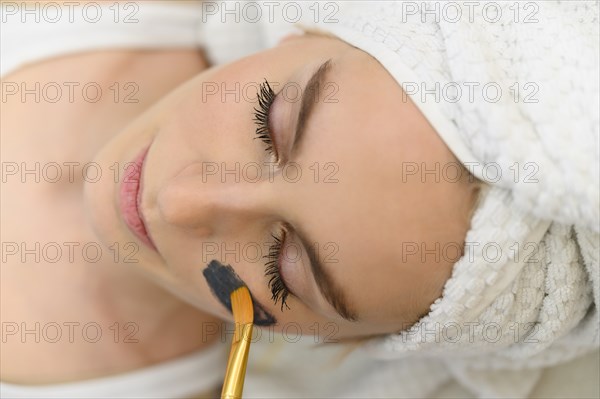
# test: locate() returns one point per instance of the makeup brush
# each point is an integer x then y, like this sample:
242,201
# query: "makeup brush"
243,314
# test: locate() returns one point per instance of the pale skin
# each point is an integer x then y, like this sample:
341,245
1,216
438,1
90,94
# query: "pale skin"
369,133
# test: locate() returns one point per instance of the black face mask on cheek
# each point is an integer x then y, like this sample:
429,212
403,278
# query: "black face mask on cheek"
223,280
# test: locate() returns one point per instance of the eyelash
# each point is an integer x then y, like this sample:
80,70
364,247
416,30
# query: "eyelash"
266,96
278,289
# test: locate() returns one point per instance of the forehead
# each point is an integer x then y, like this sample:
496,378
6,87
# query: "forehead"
361,141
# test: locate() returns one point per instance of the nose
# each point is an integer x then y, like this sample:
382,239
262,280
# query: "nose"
193,200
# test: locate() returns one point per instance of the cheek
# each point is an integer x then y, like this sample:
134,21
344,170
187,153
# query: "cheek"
223,281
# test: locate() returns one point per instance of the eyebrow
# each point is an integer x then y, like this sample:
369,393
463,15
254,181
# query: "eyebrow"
330,291
310,96
326,284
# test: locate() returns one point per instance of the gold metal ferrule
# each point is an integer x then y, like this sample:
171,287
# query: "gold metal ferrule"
236,366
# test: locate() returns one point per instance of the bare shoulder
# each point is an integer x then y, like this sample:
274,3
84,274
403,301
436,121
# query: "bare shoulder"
58,114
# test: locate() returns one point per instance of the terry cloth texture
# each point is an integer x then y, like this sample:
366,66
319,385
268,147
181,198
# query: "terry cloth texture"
508,94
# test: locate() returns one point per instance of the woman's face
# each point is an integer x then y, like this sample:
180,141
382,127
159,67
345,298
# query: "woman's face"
333,213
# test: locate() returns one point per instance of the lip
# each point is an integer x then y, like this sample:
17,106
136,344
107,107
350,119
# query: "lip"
130,197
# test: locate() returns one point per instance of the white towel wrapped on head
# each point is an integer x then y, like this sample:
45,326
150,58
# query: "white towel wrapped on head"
525,294
513,90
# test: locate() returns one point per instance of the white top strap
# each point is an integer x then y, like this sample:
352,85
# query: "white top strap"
34,31
183,377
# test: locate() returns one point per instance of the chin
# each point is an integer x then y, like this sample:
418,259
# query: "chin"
100,204
101,196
